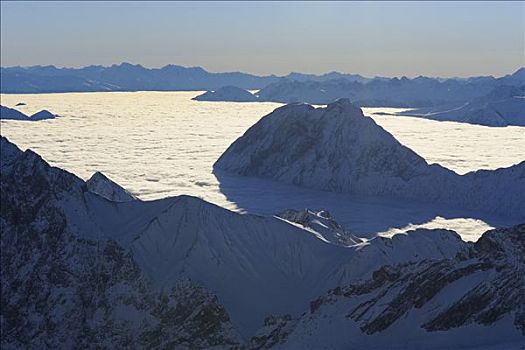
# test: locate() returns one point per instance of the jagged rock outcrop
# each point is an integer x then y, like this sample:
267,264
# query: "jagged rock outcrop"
476,298
338,149
322,224
227,93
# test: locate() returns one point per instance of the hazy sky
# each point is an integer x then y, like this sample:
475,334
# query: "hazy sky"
388,38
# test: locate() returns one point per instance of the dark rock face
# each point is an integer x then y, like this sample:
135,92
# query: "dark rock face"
417,289
274,332
63,291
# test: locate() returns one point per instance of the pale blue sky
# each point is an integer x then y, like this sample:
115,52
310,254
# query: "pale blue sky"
381,38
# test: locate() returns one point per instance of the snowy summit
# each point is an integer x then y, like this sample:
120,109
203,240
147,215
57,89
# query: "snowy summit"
338,149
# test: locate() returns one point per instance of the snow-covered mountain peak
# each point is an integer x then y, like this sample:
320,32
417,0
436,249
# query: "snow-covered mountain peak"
337,149
107,188
331,148
469,300
344,106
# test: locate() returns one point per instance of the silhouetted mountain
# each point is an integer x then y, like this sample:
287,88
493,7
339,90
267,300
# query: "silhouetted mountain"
12,114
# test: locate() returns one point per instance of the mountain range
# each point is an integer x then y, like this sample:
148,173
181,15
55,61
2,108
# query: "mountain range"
122,77
129,77
82,270
395,92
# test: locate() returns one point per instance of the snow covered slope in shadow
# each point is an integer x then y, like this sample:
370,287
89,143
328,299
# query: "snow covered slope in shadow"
256,265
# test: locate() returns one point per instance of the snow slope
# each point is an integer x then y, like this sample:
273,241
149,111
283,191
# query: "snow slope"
338,149
241,258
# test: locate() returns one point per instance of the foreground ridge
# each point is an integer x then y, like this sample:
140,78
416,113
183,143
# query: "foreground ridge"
82,270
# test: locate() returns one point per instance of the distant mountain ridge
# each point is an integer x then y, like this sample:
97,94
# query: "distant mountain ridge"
381,92
133,77
122,77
